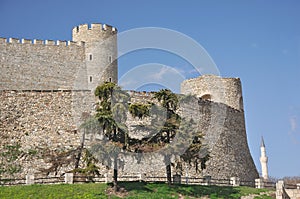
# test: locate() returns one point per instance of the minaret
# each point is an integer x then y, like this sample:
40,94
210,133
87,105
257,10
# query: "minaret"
263,160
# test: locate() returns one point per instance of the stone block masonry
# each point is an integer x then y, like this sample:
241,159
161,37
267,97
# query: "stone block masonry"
46,89
38,121
46,121
41,121
100,51
225,138
217,89
42,66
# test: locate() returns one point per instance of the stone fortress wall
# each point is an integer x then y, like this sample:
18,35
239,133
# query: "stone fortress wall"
41,65
41,121
80,64
219,114
46,89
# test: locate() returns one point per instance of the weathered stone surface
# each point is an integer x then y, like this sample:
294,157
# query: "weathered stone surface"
41,121
82,64
47,91
100,52
225,136
41,67
217,89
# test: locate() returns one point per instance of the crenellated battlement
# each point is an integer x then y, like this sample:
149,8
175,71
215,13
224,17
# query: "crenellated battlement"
94,27
92,32
40,42
100,50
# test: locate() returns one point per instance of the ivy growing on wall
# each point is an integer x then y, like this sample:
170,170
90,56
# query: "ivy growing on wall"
8,159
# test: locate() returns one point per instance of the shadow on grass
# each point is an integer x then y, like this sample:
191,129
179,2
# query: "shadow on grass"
135,186
211,191
185,190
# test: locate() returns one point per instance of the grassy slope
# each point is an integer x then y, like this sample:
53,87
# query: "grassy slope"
135,190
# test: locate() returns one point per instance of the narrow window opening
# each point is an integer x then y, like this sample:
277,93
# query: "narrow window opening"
77,28
109,59
91,78
91,57
109,79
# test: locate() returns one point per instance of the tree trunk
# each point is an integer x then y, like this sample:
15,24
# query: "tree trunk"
115,180
168,162
80,150
169,177
168,170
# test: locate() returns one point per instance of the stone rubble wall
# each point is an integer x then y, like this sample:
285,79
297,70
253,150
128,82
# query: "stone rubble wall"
42,65
225,137
131,122
227,141
42,121
47,120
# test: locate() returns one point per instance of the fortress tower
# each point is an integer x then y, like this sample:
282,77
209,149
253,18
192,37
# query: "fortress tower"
221,120
263,160
210,87
100,42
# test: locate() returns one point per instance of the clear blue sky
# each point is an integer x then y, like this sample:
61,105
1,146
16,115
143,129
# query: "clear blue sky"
258,41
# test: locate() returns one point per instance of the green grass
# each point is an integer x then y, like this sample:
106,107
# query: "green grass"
56,191
134,189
